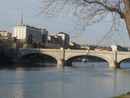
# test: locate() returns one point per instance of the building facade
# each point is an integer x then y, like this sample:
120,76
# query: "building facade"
51,39
5,39
65,39
73,45
5,35
44,35
23,31
118,48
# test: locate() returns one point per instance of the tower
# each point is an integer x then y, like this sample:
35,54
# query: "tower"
21,19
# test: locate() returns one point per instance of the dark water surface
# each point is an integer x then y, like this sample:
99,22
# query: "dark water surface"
84,80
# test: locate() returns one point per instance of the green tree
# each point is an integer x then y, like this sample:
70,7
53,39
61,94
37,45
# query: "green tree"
90,11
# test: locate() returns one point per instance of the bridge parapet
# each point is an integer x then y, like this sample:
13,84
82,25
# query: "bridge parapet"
51,52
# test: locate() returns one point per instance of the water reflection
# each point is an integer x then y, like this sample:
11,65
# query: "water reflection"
79,81
18,86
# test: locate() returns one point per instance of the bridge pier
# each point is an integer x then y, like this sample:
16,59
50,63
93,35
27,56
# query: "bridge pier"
114,64
60,63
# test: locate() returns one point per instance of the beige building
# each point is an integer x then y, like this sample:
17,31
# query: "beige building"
73,45
5,35
5,39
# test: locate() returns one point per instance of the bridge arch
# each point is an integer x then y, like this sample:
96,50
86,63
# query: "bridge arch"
38,59
109,56
94,57
120,60
123,60
55,53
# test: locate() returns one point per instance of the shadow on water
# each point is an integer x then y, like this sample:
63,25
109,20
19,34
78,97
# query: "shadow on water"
13,66
35,61
28,61
5,62
34,65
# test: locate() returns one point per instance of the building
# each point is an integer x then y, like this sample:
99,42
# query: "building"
118,48
60,40
51,39
23,31
65,39
5,35
73,45
5,39
44,34
103,48
54,41
88,47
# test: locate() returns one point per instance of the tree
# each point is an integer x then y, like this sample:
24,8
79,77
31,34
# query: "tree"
30,39
90,11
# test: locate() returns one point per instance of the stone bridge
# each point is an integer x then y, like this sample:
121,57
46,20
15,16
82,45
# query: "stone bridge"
63,57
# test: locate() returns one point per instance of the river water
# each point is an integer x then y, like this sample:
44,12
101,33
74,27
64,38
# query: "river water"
83,80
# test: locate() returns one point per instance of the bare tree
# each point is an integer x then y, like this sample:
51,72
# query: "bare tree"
90,12
29,39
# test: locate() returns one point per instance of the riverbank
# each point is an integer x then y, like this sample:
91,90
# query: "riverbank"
125,95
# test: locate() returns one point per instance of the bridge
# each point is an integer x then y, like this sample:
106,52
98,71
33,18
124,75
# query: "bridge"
64,57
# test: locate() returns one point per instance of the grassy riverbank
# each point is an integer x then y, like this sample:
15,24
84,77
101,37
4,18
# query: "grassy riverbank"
126,95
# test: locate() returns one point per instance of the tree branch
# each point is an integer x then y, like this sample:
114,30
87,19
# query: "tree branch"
112,9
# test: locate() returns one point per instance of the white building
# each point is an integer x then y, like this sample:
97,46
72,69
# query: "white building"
23,31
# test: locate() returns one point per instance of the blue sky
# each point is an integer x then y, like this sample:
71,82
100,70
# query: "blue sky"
10,15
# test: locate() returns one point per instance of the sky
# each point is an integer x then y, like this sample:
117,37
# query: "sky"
10,15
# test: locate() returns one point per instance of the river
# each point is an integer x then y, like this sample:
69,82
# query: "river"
83,80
